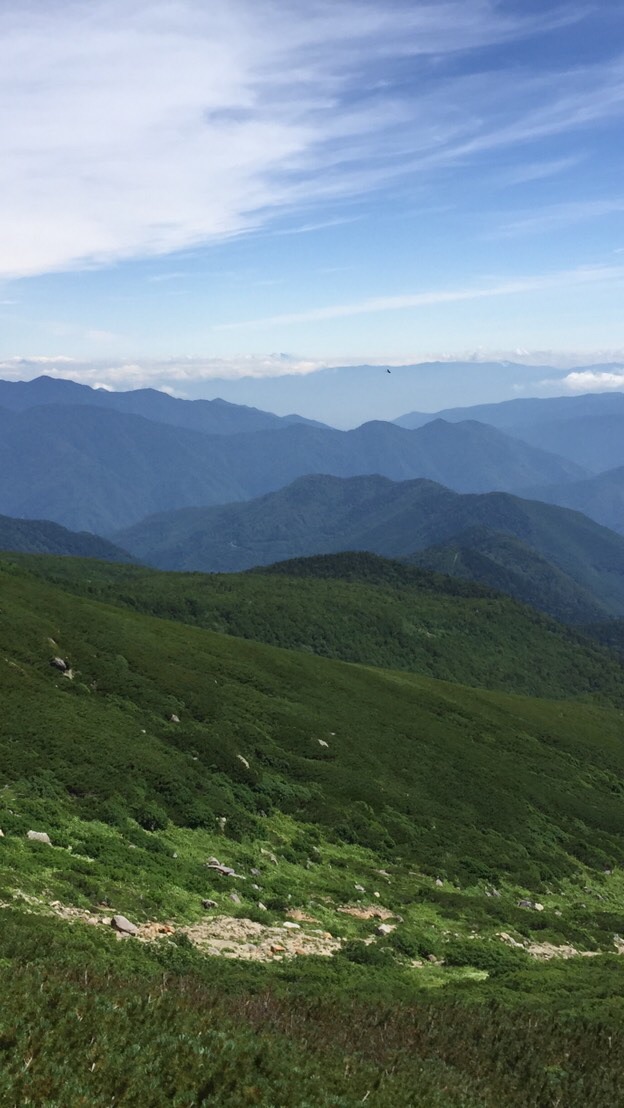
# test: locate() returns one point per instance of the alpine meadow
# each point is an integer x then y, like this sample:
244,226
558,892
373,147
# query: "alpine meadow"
311,554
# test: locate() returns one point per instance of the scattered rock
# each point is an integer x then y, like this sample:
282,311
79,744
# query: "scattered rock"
439,882
360,888
243,760
509,939
538,907
59,663
300,916
253,941
1,833
262,907
123,925
526,903
290,925
269,854
322,742
255,872
39,837
384,929
377,895
432,958
222,820
173,718
375,911
235,898
225,871
209,904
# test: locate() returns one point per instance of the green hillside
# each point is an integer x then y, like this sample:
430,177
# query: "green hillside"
483,759
40,536
362,608
321,515
503,562
144,747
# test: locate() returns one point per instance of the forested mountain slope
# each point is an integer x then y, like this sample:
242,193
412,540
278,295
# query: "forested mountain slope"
39,536
92,468
320,514
361,608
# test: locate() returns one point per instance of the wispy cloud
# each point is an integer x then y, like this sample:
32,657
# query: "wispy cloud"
537,171
556,216
139,128
581,275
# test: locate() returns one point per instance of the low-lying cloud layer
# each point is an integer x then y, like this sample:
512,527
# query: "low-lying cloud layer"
589,371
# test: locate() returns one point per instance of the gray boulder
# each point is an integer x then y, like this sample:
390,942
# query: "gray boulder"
39,837
123,925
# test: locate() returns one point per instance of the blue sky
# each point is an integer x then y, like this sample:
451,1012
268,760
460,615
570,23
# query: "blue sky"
189,187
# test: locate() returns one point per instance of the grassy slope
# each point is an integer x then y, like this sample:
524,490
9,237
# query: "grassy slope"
420,777
467,782
362,608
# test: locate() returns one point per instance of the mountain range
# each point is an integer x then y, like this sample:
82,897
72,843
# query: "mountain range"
322,514
588,430
346,395
94,468
600,497
213,417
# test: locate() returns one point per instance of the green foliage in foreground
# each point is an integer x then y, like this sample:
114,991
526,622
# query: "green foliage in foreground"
359,607
469,784
106,1023
340,785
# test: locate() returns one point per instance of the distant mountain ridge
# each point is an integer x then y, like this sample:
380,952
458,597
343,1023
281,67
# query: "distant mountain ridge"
508,414
213,417
588,429
93,468
346,395
323,514
40,536
600,497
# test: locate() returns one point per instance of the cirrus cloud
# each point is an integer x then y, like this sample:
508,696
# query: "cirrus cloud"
137,128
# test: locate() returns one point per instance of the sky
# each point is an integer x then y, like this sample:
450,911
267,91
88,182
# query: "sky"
201,189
